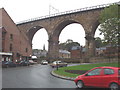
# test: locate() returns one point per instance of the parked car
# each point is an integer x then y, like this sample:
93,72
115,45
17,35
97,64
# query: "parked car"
8,64
32,62
23,63
58,64
44,62
18,63
4,65
103,77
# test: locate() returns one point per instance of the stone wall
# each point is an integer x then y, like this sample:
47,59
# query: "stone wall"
102,60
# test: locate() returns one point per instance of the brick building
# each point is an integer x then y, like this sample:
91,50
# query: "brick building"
112,51
77,52
100,51
64,54
15,44
108,51
39,53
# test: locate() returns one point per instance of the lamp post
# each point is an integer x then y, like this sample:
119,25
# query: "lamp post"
57,65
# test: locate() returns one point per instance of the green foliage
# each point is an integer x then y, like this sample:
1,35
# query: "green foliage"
99,42
110,22
68,45
109,13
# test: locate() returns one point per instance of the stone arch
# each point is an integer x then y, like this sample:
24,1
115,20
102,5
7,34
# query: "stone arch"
61,26
95,26
54,39
31,32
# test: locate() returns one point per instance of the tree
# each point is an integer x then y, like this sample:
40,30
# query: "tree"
99,42
110,21
68,45
62,46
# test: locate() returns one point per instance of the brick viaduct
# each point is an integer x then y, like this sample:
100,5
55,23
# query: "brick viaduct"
54,24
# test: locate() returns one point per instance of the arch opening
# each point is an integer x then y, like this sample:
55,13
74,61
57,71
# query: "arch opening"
70,26
98,33
73,31
69,30
99,42
40,39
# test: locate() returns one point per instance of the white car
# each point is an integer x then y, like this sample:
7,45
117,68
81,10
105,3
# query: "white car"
58,64
44,62
32,62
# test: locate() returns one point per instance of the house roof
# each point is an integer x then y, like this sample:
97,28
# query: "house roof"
76,47
64,51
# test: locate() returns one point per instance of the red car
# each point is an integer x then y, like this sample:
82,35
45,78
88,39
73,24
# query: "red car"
103,77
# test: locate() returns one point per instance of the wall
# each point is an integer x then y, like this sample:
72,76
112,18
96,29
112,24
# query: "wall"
19,39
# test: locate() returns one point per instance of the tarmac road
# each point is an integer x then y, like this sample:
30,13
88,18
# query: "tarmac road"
36,76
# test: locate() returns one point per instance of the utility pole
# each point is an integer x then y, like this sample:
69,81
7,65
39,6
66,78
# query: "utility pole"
52,8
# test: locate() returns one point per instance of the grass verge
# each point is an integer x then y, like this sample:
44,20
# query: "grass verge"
61,71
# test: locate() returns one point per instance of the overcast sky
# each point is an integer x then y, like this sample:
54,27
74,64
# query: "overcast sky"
20,10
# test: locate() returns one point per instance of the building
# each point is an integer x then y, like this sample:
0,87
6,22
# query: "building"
39,53
100,51
64,54
112,52
108,51
15,44
77,52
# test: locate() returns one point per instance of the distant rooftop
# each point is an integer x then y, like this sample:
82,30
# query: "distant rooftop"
76,47
64,51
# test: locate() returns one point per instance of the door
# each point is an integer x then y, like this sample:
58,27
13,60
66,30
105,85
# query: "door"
92,78
107,77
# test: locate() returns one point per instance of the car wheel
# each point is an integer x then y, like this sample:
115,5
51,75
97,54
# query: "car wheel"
114,86
80,84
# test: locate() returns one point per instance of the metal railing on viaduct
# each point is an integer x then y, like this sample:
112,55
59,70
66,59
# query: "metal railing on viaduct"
67,12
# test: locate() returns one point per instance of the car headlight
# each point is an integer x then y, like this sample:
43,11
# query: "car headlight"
76,77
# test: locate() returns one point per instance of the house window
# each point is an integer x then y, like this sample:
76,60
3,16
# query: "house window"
3,35
11,36
11,47
26,49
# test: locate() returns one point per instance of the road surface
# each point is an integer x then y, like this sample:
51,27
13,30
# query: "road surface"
36,76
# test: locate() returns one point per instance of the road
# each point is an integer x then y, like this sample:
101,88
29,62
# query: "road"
36,76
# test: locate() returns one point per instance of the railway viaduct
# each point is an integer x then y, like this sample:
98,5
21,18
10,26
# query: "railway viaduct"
54,24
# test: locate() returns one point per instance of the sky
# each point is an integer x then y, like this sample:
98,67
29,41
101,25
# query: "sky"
20,10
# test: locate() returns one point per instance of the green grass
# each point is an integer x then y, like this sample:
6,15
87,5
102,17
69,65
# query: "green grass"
61,71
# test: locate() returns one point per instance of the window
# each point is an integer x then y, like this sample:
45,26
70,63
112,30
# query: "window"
119,71
26,49
11,36
94,72
108,71
11,47
3,35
